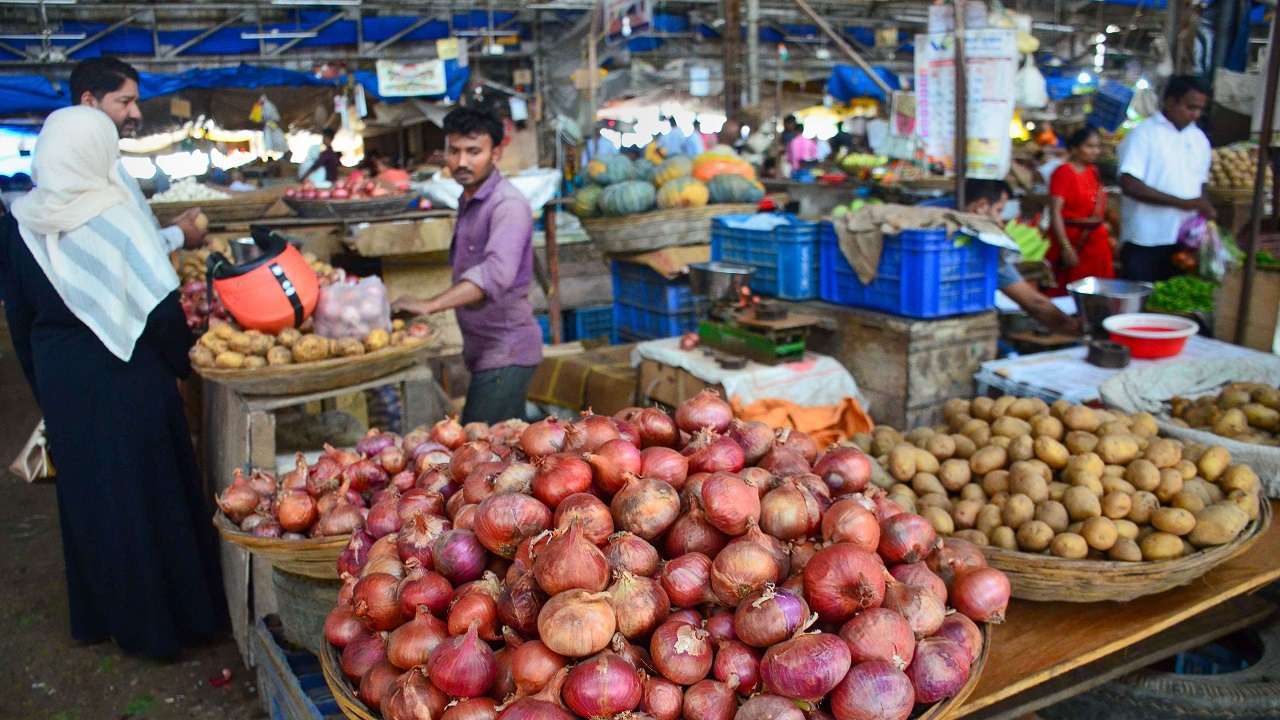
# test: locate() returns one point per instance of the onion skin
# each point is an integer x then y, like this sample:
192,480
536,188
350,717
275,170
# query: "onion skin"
768,707
797,440
873,690
842,579
682,653
602,686
459,556
639,603
960,628
704,410
940,669
955,556
570,561
754,437
906,538
375,601
449,433
736,662
520,602
544,437
806,667
413,697
790,512
362,653
662,699
417,537
476,708
341,626
688,616
923,611
666,464
982,594
560,476
920,575
612,462
769,616
503,521
588,511
692,533
709,700
730,505
411,644
577,623
844,470
848,520
533,664
687,580
784,462
743,567
463,666
880,634
627,551
720,625
375,685
718,454
645,507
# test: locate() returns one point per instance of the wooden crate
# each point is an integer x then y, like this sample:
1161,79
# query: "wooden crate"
907,368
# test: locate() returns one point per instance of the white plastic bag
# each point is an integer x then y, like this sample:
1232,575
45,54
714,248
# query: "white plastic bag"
352,309
1031,91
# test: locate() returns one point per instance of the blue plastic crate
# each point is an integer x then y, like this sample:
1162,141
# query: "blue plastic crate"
638,323
544,322
642,287
785,258
590,322
922,274
290,681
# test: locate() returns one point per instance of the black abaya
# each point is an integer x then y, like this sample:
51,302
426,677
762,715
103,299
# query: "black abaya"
141,555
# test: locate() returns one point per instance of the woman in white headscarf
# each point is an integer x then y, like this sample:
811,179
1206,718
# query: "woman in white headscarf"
92,308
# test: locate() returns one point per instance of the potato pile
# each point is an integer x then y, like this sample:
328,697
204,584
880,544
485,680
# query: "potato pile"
229,348
1234,167
190,264
1247,412
1066,480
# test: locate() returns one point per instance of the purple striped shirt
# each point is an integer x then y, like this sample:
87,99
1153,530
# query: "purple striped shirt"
493,248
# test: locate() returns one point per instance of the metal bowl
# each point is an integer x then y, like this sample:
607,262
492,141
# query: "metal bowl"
719,281
1099,298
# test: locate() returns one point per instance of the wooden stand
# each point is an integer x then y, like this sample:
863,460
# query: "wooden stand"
240,432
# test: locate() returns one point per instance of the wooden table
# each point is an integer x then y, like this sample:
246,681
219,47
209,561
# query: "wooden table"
1047,652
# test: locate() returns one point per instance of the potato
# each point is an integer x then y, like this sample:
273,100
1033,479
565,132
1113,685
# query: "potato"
1053,514
906,502
980,408
1233,398
1087,462
989,517
1247,502
1028,483
1126,528
925,483
1160,546
400,337
964,447
1163,453
1018,510
1046,426
1213,463
214,343
988,459
1239,477
1051,452
995,481
1218,524
1057,490
1143,474
902,462
397,324
1010,427
926,462
1111,483
1113,428
1003,537
1142,505
1080,442
1022,409
1170,485
229,360
240,342
939,519
1076,527
973,491
1092,484
1069,545
1125,550
1194,451
1174,521
310,348
252,362
1081,503
999,441
279,355
884,440
862,441
1059,408
350,347
977,537
999,499
377,339
904,490
955,406
1261,416
1079,417
965,514
919,436
259,343
1144,425
1034,536
1001,406
937,500
1118,449
1021,448
1116,505
1267,397
201,356
1231,423
1187,468
1100,533
941,446
954,474
222,330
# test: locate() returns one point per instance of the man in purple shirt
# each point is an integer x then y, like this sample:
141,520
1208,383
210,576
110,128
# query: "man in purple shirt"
492,258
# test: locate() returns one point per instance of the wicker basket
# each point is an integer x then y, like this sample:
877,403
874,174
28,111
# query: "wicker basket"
1050,579
303,603
341,209
658,228
313,557
353,708
239,208
320,375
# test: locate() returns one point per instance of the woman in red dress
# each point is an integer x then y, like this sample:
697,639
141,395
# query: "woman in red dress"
1081,243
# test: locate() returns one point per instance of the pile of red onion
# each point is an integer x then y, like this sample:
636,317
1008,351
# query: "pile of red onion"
637,564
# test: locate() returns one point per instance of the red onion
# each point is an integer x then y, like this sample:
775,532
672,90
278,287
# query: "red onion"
873,690
784,462
264,483
449,433
802,551
687,580
383,518
519,603
704,410
769,616
906,538
544,438
691,493
419,501
711,453
413,697
634,654
736,663
960,628
602,686
366,475
416,437
588,511
560,476
709,700
754,437
458,556
432,456
470,455
517,477
477,609
462,666
592,431
743,567
403,480
296,510
789,511
503,521
982,594
628,432
465,518
411,644
436,481
476,708
645,507
374,442
796,440
805,667
688,616
662,699
577,623
571,561
325,476
419,535
423,587
885,508
922,609
393,460
682,653
955,556
477,430
639,603
663,463
843,579
344,458
720,625
356,553
692,533
376,684
848,520
655,427
612,462
533,664
768,707
239,499
362,653
478,484
940,669
629,552
375,603
920,575
730,505
844,470
545,705
384,565
341,626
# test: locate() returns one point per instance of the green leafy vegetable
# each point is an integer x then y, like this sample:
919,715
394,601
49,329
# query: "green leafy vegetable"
1185,293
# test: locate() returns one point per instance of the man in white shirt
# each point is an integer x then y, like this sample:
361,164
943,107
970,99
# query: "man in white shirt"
1164,165
111,85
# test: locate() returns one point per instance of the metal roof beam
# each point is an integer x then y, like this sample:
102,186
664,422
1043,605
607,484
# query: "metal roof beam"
280,49
400,35
103,33
206,34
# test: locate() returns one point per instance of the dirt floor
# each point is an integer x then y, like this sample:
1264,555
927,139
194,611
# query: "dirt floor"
43,674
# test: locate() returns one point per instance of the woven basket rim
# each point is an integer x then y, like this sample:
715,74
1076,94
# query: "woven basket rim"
652,216
276,547
292,370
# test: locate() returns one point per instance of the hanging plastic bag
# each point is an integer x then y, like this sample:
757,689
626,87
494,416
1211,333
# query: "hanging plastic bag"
352,310
1031,90
1201,235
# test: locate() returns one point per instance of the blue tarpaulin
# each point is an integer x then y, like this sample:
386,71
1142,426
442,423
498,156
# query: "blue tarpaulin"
848,82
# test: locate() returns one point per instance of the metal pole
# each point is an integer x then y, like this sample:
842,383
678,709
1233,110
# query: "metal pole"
1260,177
844,46
592,70
553,272
732,57
753,52
962,110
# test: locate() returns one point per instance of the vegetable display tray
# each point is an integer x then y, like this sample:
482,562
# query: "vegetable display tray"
390,205
1052,579
313,557
320,375
658,229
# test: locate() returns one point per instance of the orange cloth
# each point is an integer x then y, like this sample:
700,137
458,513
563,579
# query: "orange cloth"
825,423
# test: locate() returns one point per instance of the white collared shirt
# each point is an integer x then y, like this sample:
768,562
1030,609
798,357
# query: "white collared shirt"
1175,162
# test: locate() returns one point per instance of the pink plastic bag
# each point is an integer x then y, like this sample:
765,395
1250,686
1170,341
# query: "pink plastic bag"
352,309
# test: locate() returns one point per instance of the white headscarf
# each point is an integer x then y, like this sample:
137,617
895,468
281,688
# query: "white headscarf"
101,251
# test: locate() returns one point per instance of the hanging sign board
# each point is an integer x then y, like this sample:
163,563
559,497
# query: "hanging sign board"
447,48
991,64
397,79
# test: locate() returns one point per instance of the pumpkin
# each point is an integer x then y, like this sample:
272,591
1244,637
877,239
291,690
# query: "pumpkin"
643,170
734,189
586,201
709,165
625,198
681,193
653,153
675,167
610,170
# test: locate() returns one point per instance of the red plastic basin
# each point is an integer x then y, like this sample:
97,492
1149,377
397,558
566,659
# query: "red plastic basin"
1150,335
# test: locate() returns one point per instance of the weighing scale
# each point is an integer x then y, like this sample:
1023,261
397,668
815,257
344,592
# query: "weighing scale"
739,323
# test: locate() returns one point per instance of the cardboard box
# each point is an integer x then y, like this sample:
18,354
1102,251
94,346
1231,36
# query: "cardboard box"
669,386
403,237
602,380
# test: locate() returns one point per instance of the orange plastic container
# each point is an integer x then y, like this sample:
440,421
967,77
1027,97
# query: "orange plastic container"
271,292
